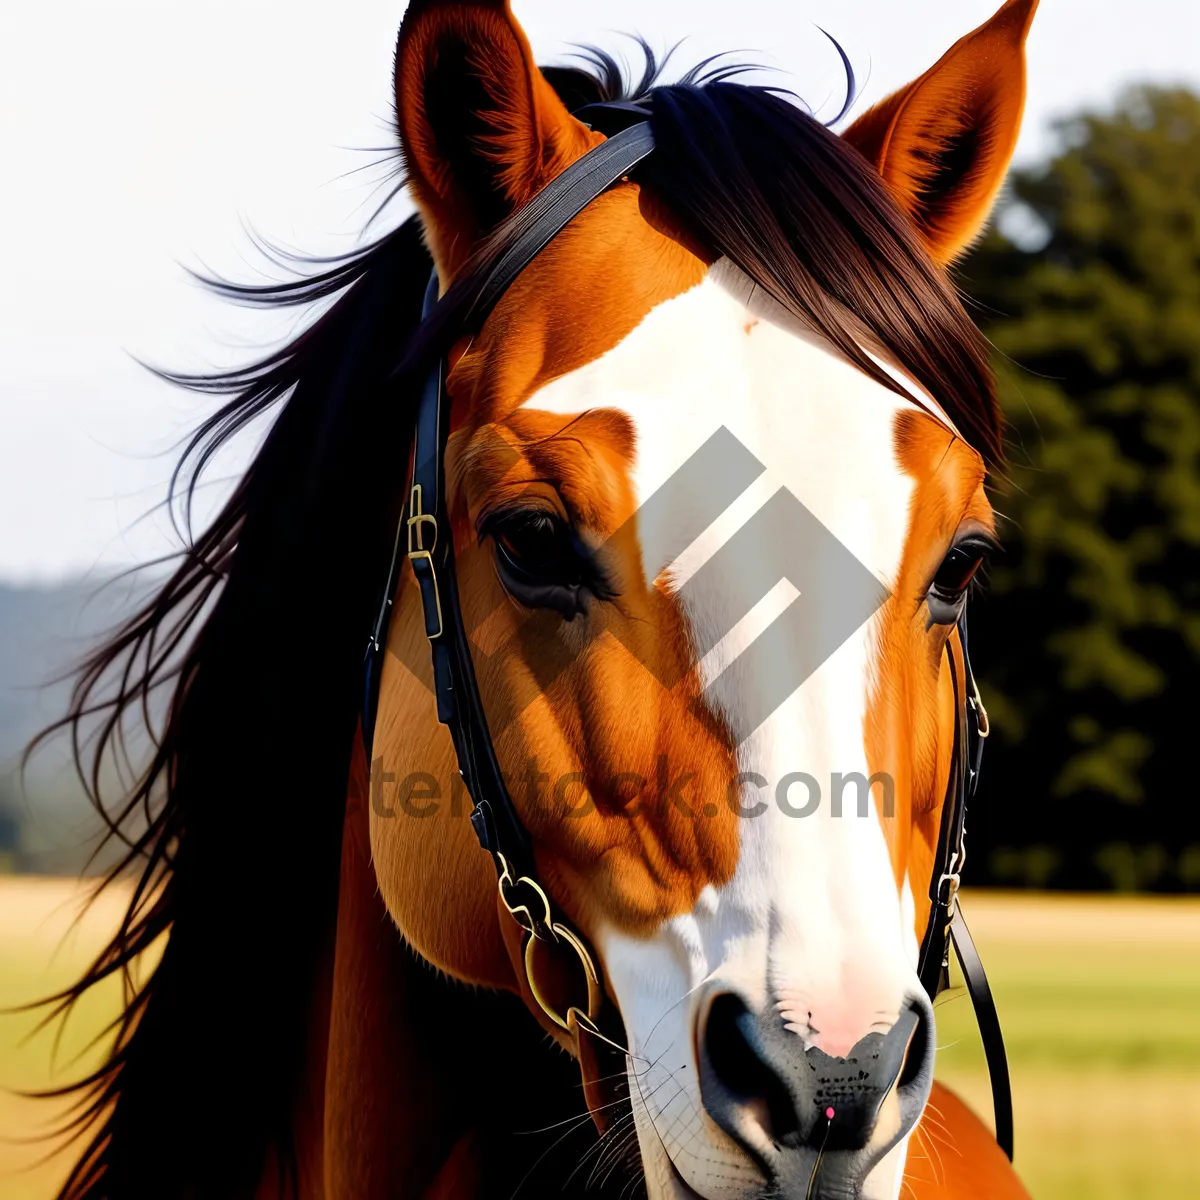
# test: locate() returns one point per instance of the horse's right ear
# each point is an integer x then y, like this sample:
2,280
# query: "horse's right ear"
943,143
480,127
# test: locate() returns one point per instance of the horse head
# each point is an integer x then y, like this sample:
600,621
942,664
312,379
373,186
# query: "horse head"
715,475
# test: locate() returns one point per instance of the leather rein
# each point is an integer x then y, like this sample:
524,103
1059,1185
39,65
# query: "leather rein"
424,536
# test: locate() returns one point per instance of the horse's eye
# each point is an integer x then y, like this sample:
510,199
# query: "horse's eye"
543,563
948,592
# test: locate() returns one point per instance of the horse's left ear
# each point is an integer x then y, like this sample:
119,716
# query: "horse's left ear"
480,127
943,143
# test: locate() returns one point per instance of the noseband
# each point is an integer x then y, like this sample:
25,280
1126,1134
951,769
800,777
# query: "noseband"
428,544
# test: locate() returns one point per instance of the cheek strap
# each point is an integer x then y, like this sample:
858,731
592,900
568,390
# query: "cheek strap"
947,927
425,533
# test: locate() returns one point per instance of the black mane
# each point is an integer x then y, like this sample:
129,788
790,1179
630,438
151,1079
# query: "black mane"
258,635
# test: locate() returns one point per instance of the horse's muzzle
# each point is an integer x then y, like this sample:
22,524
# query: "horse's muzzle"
816,1125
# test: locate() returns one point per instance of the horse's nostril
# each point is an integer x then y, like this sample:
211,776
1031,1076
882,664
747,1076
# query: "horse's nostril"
774,1096
729,1050
917,1056
737,1068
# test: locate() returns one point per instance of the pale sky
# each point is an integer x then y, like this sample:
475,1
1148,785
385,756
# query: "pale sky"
139,135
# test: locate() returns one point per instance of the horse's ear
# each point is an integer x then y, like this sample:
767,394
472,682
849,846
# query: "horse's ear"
943,143
480,127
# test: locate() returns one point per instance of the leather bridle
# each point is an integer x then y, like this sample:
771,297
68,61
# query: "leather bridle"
947,926
425,537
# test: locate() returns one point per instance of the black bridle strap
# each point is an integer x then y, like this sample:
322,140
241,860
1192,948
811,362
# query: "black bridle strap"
429,542
947,926
988,1020
934,960
378,639
565,197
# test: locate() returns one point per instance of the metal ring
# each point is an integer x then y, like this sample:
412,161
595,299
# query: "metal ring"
586,1019
954,880
548,931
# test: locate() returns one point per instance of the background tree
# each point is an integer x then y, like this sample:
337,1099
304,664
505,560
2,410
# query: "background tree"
1088,640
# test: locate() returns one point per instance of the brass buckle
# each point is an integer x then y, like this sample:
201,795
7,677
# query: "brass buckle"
954,880
416,518
983,725
546,930
951,881
418,550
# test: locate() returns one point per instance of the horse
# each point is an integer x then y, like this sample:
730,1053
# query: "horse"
713,488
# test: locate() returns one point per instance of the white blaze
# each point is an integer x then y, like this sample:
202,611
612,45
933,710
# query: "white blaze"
812,919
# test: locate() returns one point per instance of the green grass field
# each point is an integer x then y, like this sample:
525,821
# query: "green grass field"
1100,1003
1100,1000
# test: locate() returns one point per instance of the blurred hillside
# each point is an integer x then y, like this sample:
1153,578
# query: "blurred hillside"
46,823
